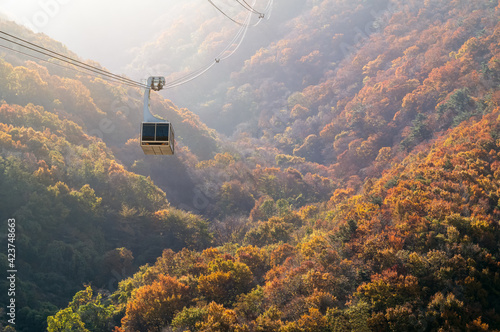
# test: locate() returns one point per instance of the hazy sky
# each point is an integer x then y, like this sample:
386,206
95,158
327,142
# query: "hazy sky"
105,31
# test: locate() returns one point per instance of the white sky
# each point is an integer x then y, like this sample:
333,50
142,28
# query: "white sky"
101,30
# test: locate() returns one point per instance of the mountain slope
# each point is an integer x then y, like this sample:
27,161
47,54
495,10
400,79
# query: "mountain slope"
358,191
396,87
81,216
415,250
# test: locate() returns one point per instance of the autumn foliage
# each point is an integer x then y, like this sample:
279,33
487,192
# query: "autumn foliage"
358,188
153,306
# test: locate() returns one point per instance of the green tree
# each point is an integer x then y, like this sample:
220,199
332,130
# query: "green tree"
66,321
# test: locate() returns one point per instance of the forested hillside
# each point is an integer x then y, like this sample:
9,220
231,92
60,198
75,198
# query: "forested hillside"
351,181
82,217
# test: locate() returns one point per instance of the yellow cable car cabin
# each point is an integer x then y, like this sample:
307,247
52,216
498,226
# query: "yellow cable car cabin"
157,138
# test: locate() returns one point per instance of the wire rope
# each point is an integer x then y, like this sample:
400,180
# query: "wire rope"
221,56
63,66
249,8
238,39
63,58
72,60
245,5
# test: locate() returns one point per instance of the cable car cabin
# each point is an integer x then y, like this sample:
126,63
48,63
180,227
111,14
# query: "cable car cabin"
157,138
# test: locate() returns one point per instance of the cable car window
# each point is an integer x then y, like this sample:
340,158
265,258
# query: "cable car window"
162,131
148,132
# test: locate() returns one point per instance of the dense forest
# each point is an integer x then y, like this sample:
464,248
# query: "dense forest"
344,177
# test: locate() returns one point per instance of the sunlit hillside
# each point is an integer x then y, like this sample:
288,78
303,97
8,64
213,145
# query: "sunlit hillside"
340,172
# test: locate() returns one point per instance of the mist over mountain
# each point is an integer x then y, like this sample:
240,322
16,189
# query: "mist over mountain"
339,172
117,27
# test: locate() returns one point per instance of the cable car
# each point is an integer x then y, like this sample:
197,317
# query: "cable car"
157,135
157,138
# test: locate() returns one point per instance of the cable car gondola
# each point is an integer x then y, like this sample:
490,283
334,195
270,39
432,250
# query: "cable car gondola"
157,135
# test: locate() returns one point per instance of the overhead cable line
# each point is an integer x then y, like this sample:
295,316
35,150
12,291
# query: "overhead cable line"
61,65
238,39
66,59
223,55
245,5
249,8
239,36
223,13
74,62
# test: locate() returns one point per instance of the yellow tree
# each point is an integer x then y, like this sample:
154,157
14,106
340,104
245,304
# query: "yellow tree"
224,280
